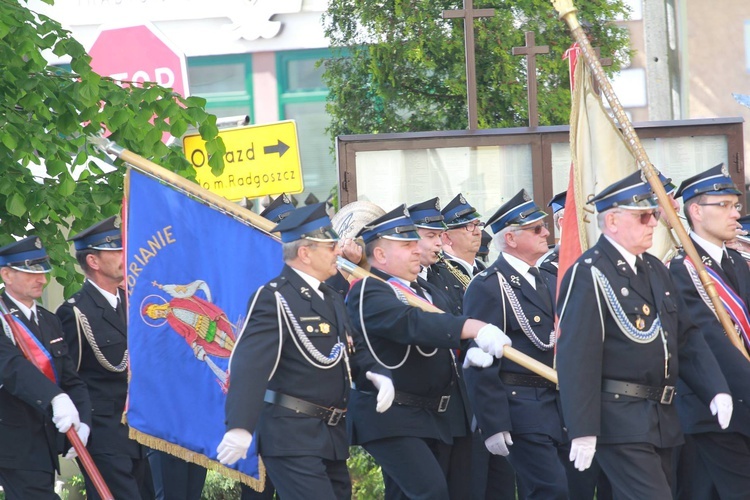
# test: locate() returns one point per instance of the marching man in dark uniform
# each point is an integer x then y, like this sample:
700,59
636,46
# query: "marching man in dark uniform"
625,338
289,380
411,441
462,239
514,406
711,205
95,329
445,292
35,406
276,211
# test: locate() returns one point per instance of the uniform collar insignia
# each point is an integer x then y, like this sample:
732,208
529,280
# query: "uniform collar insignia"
273,284
620,262
587,261
516,280
706,260
304,291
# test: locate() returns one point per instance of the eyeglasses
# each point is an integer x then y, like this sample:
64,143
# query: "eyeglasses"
473,226
723,204
537,229
645,217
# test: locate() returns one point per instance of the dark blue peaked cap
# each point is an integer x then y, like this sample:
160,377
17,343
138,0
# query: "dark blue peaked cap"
630,193
484,246
395,225
310,223
104,235
278,208
713,181
669,187
557,202
427,214
27,255
518,211
458,212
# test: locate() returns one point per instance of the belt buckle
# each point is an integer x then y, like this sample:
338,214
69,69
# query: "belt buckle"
443,404
667,395
335,417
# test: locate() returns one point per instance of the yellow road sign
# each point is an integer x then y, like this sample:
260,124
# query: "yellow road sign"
260,160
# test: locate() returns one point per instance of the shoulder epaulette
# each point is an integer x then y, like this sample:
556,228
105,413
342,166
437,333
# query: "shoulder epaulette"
486,273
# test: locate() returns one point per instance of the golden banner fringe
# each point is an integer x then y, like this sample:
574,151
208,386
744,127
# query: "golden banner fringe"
202,460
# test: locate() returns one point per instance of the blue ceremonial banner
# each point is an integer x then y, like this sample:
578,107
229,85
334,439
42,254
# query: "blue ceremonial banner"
190,271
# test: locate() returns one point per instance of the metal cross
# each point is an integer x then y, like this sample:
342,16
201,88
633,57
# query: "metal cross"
530,50
468,13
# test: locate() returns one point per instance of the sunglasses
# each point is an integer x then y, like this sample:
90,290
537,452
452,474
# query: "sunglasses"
537,229
645,217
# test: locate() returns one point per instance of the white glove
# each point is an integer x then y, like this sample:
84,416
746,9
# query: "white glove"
234,446
83,432
582,451
386,391
477,358
491,340
721,406
64,413
498,444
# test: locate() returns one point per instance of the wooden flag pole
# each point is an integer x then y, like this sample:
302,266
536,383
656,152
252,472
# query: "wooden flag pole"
71,434
265,225
508,352
567,12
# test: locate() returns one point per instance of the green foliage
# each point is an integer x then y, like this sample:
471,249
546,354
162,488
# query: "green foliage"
399,67
218,487
367,479
46,113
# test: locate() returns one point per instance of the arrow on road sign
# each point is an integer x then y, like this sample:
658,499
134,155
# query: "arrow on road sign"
280,148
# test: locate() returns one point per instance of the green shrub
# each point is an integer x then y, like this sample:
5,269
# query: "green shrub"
218,487
367,479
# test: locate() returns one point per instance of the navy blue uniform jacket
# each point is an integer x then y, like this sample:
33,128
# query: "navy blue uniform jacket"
592,347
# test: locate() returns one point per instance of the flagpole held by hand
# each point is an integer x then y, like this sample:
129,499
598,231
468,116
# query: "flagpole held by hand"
71,434
567,12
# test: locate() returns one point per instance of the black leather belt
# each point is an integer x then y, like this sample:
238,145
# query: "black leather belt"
527,380
663,395
331,416
438,404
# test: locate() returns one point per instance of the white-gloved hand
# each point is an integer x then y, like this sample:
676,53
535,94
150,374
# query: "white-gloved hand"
83,432
477,358
491,340
386,391
498,444
582,451
64,413
722,406
234,446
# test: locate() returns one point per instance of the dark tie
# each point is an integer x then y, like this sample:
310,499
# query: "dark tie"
418,289
32,318
728,268
641,274
541,287
120,310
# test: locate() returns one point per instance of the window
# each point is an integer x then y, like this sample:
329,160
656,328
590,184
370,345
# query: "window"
225,82
302,97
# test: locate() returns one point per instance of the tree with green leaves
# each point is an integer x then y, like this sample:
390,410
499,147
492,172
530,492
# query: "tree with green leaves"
399,67
48,181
